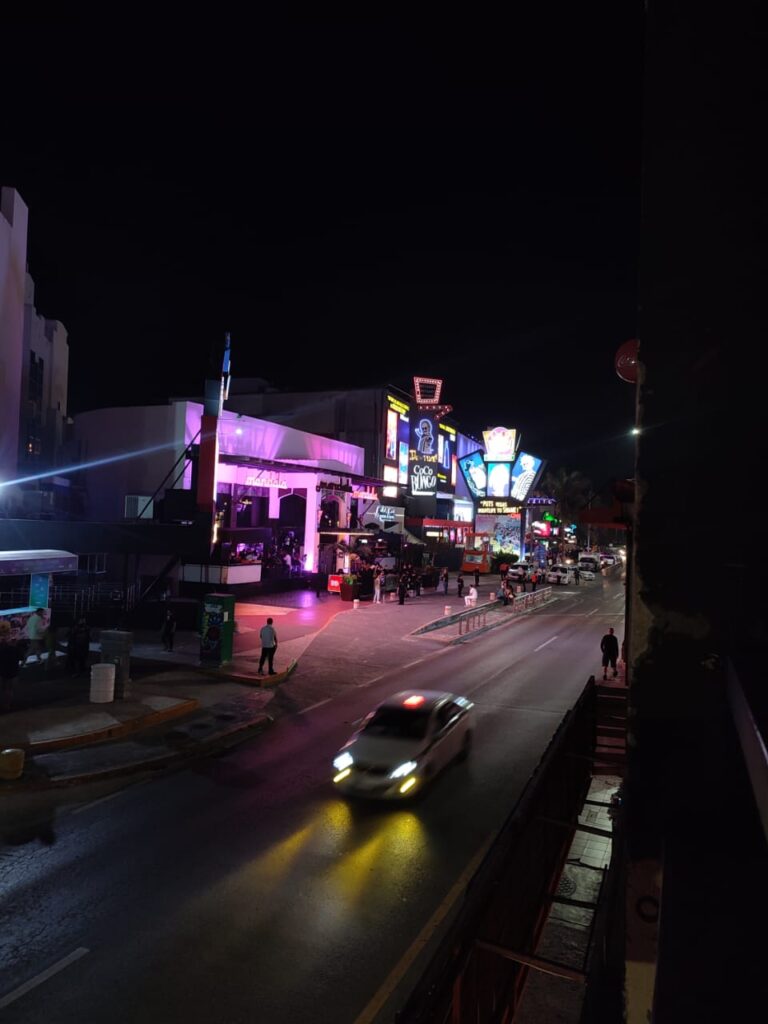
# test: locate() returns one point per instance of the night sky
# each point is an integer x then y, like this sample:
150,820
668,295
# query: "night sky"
355,200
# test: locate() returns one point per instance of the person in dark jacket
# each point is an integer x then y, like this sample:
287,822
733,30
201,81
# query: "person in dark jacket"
460,585
402,588
78,646
444,580
168,630
609,645
10,658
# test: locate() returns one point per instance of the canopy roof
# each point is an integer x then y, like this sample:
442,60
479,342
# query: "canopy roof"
18,563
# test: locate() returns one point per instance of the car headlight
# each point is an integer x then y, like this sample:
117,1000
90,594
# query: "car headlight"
403,769
343,761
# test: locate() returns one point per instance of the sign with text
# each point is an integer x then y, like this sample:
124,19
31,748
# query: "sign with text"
265,478
497,506
423,458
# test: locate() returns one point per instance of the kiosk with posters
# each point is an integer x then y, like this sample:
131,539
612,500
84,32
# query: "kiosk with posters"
26,578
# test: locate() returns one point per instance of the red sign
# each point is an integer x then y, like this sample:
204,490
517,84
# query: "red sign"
334,584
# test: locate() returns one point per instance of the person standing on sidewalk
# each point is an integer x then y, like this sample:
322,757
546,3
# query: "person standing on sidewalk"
609,645
402,588
268,638
78,646
477,578
10,658
35,631
534,581
169,628
459,584
444,580
377,587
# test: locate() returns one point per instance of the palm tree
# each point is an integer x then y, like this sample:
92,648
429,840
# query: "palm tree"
571,490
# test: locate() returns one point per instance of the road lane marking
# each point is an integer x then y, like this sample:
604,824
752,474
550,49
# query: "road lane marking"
594,610
545,643
418,945
318,705
43,976
617,596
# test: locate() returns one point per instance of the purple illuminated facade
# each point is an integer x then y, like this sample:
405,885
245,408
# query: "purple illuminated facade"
276,487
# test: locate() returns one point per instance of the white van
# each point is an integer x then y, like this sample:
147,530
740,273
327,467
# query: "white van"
590,562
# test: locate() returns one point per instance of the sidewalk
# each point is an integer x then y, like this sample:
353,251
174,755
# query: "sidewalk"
176,708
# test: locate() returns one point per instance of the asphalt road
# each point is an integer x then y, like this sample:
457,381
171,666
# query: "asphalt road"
245,890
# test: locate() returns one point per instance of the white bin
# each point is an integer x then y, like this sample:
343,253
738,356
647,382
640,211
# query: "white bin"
102,683
447,610
355,603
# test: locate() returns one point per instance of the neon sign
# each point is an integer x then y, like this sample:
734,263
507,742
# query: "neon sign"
265,478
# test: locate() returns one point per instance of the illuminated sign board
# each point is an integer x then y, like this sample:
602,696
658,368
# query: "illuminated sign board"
446,450
524,473
475,474
423,458
396,437
386,513
498,479
500,443
265,478
497,506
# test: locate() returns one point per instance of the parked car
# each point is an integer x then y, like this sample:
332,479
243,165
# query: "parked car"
561,574
590,562
520,572
587,574
404,743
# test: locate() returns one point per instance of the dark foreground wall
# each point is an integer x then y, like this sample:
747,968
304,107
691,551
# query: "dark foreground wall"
699,531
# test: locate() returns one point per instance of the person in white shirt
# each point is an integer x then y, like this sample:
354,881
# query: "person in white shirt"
268,638
35,631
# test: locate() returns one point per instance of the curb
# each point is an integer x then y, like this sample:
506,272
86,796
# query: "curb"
187,753
262,681
86,739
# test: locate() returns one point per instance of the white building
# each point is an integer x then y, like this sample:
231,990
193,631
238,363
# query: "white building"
34,368
13,263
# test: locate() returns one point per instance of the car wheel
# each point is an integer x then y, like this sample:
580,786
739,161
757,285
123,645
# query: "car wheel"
466,746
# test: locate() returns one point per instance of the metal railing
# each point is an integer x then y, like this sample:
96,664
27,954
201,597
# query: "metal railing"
478,971
77,599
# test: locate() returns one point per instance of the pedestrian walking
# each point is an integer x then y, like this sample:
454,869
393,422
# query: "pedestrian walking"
268,638
444,580
477,577
35,632
10,658
78,646
318,585
460,585
609,645
168,630
402,588
377,587
576,574
534,581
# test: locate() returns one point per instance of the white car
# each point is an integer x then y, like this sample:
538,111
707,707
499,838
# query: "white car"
520,572
587,574
403,743
561,574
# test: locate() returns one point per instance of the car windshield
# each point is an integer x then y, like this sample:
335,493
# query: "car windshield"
398,723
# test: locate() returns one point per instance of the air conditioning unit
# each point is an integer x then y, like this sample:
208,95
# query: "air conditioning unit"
138,506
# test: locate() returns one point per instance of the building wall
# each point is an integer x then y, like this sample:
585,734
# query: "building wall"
152,436
353,416
45,372
13,260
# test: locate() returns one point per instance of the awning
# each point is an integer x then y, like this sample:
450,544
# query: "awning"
20,563
298,467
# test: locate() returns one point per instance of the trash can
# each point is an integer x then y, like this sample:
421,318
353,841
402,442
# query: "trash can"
355,603
102,683
447,610
116,649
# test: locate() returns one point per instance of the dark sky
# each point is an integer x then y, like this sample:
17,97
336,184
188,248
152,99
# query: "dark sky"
355,200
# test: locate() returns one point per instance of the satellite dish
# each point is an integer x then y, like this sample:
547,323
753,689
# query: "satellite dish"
626,361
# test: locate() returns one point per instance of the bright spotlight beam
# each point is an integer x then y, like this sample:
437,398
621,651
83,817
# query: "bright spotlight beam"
106,461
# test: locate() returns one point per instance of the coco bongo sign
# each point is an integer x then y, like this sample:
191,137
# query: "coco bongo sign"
423,449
